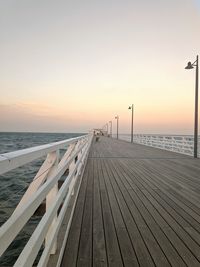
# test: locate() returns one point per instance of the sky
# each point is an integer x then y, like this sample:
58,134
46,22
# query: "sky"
73,65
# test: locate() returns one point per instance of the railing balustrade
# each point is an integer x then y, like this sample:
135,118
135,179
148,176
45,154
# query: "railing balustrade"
44,187
183,144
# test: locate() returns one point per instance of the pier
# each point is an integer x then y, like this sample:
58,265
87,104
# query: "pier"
99,133
125,205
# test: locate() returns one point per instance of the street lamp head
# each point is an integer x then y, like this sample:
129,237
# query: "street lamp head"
116,117
189,66
129,107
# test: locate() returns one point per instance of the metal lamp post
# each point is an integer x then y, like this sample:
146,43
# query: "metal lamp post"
117,118
188,67
132,108
110,128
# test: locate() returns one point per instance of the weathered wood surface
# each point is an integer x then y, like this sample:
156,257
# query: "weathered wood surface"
137,206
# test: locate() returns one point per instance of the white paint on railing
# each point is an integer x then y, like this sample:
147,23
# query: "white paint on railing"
12,160
39,179
50,199
183,144
44,186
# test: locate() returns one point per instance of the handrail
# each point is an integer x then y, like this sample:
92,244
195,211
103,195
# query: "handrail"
45,185
12,160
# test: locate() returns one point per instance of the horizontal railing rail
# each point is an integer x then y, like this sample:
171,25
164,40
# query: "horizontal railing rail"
183,144
12,160
44,187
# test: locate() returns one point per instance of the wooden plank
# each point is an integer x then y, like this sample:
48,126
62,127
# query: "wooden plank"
152,234
142,253
173,203
177,209
178,184
184,244
127,250
112,245
152,244
71,249
161,181
99,246
179,180
84,258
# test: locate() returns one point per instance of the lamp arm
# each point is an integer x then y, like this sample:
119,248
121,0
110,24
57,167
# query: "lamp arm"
193,64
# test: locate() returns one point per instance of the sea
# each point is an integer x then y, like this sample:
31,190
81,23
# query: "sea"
14,184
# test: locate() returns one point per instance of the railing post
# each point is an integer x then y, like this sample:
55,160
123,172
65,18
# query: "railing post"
49,200
71,167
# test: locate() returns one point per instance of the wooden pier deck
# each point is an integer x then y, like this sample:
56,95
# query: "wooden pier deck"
137,206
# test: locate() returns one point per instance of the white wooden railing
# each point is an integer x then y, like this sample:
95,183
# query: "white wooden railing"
44,186
183,144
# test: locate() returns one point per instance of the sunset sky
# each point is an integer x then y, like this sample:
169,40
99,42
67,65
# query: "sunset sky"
72,65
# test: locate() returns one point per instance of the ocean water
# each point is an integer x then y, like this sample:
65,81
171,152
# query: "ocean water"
14,183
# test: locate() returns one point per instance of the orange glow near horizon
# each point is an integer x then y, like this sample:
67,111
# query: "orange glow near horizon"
146,119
